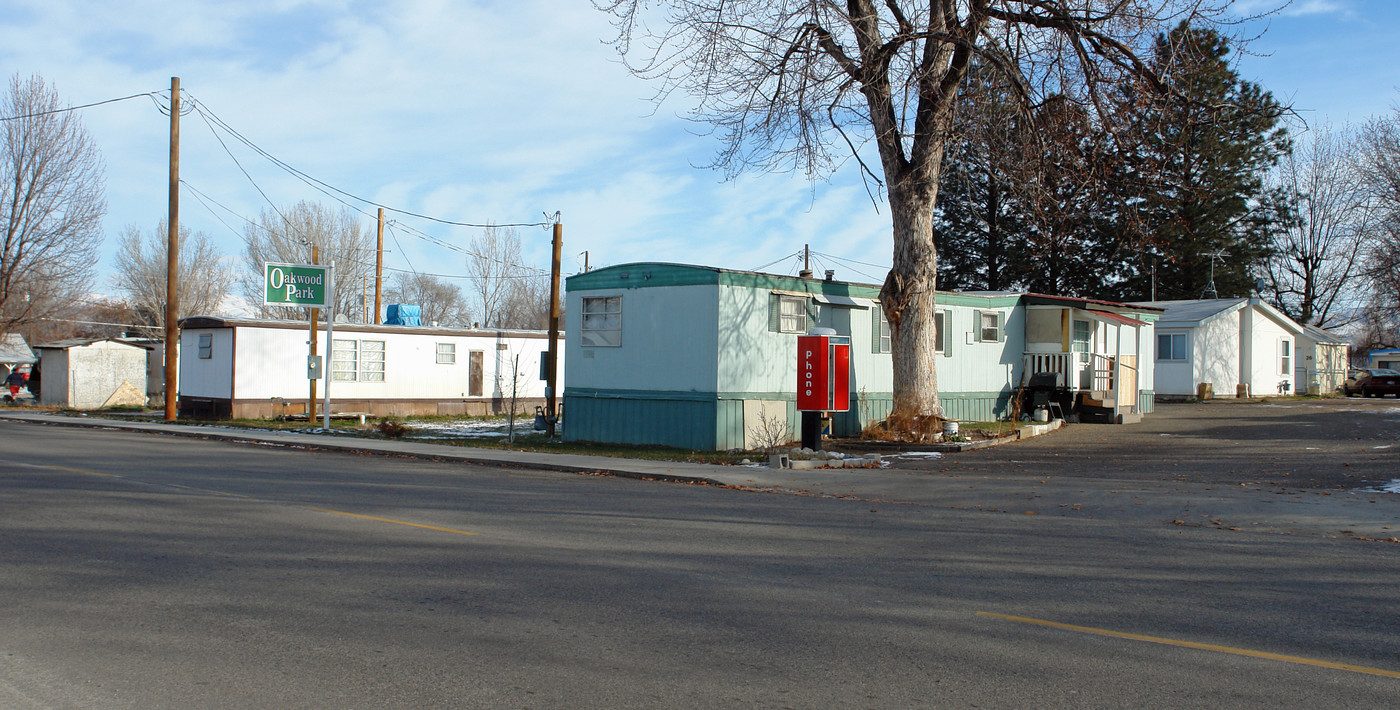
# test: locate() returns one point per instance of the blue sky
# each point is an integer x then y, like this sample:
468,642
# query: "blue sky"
501,111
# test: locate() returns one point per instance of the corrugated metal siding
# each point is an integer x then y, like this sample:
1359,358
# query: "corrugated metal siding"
729,424
1147,401
662,422
976,406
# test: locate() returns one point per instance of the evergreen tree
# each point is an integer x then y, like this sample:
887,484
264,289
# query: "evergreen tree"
979,222
1203,162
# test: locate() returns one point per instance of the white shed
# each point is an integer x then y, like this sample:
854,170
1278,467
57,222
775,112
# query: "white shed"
1237,346
245,368
1323,359
92,373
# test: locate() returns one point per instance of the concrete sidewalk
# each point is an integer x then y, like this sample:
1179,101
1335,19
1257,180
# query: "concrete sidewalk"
1353,514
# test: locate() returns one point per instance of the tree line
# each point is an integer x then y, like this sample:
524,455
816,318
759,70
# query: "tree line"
1216,191
1076,147
51,209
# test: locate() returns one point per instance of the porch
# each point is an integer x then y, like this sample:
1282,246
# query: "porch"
1092,386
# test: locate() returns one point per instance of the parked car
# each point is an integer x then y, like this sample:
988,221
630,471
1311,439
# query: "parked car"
1372,382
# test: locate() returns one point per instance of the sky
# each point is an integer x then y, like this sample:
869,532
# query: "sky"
503,112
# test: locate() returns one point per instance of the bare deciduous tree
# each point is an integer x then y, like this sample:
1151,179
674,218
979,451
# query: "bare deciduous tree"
51,205
204,280
440,302
287,235
527,302
1312,275
1380,151
507,291
798,84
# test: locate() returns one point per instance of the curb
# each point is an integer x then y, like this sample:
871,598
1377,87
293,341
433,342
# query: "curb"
340,445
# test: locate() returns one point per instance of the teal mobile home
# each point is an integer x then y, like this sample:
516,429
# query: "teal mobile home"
706,358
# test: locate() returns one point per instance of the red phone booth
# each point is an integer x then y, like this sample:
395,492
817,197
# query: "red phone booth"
823,380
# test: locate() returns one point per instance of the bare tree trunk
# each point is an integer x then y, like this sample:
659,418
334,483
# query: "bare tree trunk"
908,299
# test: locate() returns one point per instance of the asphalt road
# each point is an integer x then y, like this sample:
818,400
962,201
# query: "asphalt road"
149,571
1337,443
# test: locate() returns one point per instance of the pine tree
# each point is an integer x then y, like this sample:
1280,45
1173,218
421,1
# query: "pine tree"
1203,162
979,222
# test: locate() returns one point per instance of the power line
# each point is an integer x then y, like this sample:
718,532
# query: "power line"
153,94
209,115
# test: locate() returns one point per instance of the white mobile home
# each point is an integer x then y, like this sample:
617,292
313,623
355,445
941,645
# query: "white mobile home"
704,358
257,368
1229,346
1388,358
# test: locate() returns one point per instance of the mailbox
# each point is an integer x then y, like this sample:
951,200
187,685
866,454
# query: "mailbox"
823,372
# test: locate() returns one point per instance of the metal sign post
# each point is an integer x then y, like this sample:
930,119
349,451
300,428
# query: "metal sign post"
330,346
306,286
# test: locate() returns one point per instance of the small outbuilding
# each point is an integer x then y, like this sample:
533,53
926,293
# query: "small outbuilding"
246,368
1225,347
1323,358
92,373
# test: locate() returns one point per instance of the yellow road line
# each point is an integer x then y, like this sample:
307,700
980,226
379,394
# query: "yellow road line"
210,491
394,522
1198,646
82,471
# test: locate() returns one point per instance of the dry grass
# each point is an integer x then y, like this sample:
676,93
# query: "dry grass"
905,424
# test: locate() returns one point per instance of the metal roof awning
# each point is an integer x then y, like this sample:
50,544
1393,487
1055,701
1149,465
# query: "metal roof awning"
1115,318
843,301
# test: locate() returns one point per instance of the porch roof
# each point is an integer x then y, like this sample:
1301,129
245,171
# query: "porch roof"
1115,318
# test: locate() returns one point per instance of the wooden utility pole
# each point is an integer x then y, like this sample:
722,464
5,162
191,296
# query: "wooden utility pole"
172,261
325,364
379,266
552,375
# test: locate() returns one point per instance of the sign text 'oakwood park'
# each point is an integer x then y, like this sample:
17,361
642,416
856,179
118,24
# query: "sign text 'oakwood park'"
296,285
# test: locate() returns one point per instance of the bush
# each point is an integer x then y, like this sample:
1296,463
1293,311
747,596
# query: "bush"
392,428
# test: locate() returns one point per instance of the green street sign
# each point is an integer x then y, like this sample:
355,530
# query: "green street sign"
304,285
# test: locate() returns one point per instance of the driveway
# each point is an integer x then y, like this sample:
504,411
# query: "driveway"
1321,444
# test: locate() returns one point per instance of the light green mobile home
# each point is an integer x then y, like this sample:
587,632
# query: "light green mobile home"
706,358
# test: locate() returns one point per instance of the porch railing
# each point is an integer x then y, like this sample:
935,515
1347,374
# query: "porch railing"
1069,365
1083,371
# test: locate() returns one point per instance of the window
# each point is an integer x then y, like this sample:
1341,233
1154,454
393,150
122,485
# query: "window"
447,353
792,314
357,361
601,322
345,360
1171,346
1285,357
882,334
988,326
372,360
1082,336
939,344
206,346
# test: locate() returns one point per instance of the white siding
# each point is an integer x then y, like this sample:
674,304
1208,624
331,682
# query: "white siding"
1215,352
1263,369
974,365
271,362
212,377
